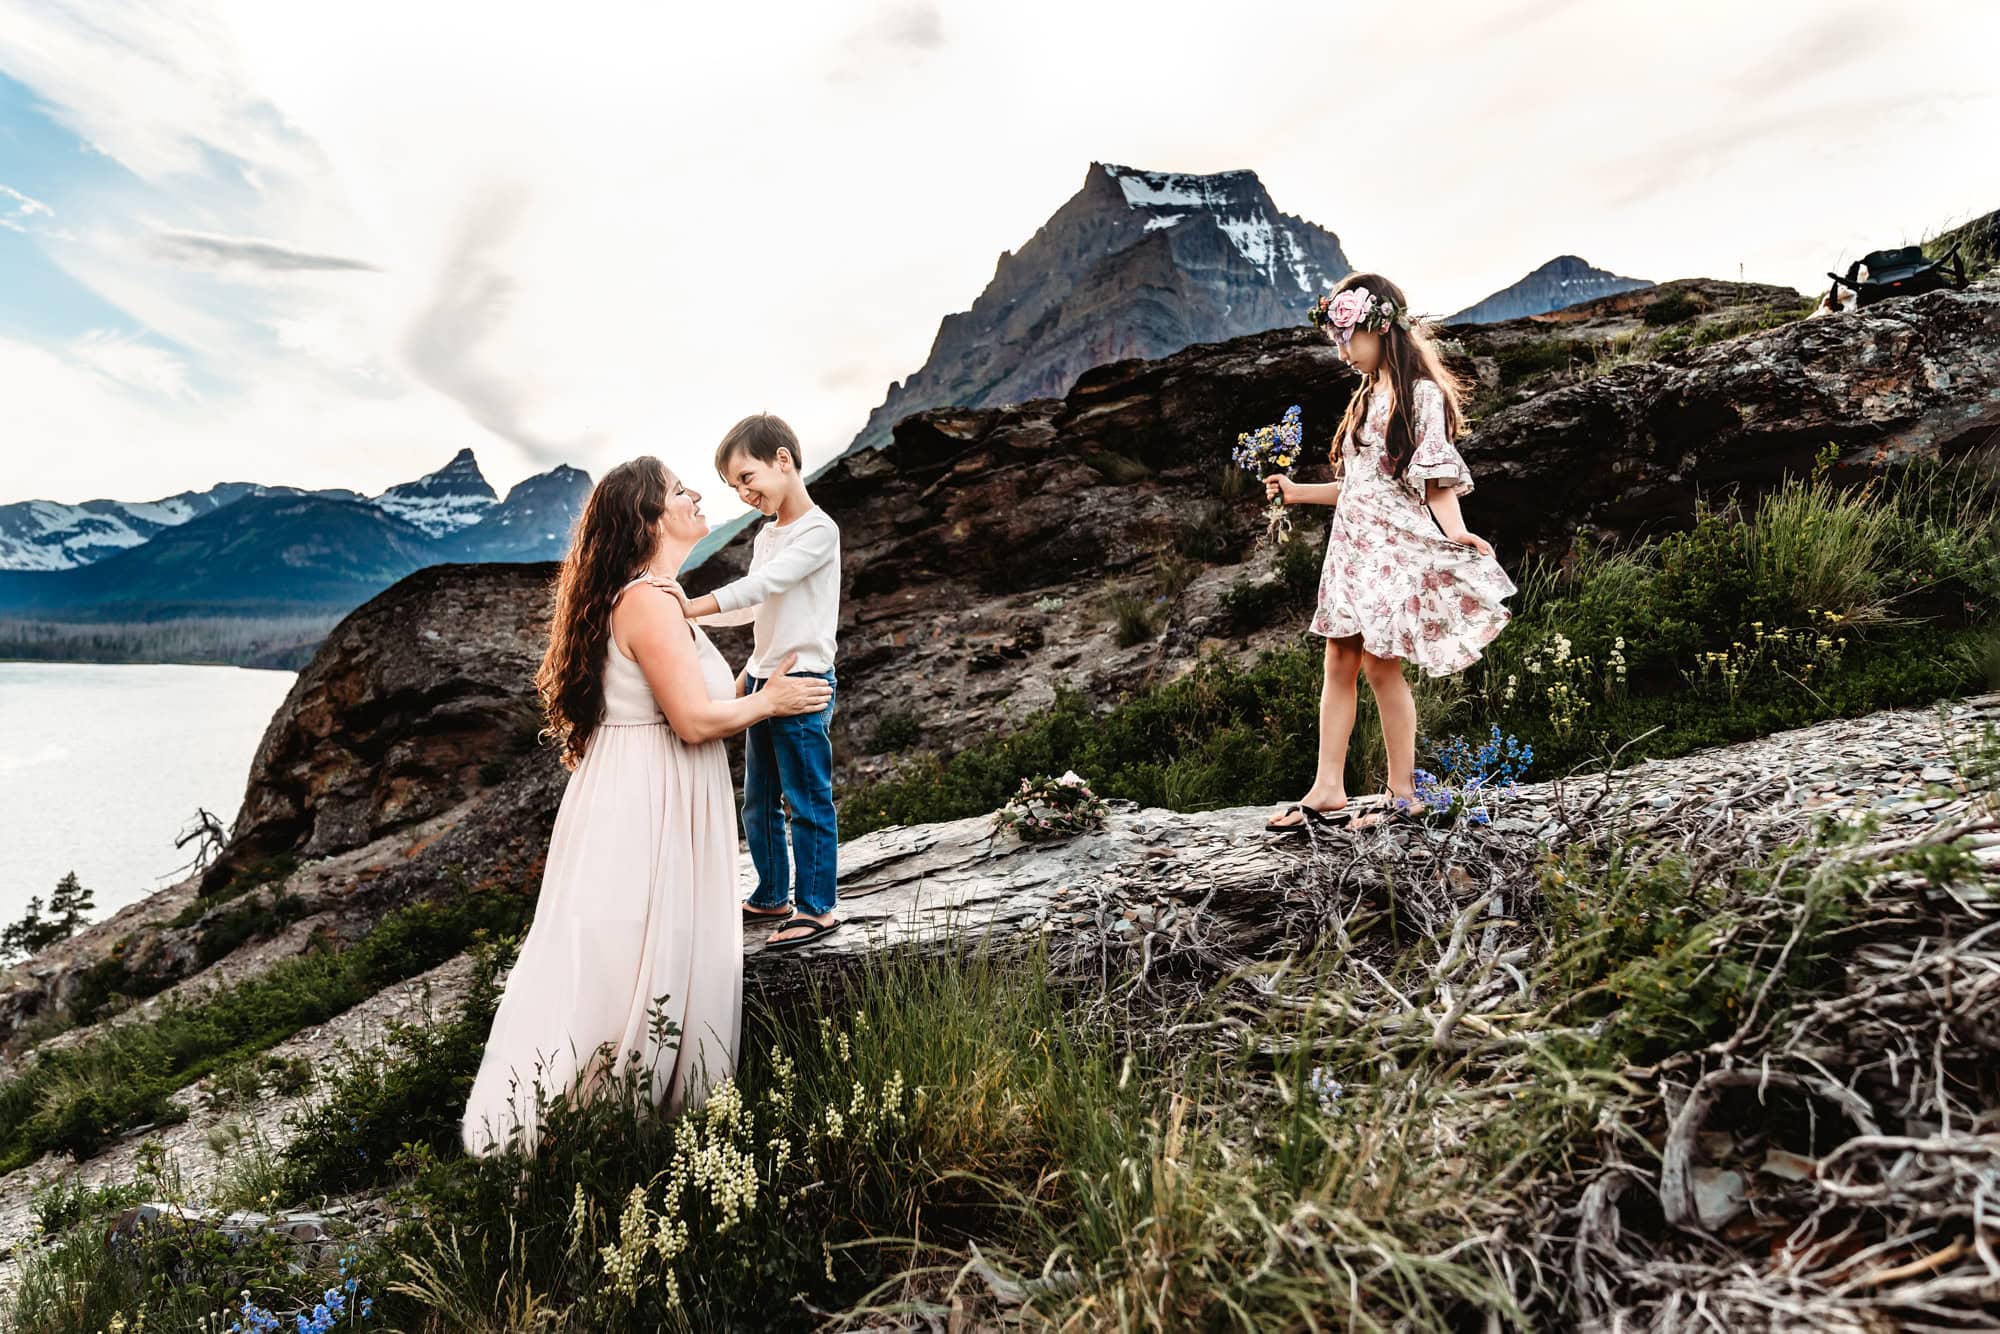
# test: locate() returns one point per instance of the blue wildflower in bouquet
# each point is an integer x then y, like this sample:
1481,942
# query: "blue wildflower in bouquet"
1269,450
1470,780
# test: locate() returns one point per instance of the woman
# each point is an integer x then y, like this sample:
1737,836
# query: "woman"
638,898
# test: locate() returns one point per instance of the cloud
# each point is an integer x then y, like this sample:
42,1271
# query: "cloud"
470,304
14,206
208,248
133,363
915,25
24,206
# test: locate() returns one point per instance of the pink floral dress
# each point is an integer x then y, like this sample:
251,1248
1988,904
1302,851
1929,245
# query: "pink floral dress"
1391,576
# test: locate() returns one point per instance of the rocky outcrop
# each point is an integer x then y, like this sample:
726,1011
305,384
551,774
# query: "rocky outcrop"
1565,280
1136,264
418,699
1634,448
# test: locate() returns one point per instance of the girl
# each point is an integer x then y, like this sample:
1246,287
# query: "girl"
1403,577
638,898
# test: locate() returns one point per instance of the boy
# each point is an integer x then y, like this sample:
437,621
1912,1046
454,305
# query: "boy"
792,596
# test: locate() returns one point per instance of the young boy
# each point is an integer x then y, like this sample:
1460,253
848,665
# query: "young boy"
792,596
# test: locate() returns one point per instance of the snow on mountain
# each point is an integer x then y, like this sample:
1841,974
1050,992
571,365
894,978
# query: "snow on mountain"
455,496
455,510
50,535
1273,242
1136,264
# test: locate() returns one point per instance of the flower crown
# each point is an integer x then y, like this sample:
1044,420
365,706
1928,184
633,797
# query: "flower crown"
1341,313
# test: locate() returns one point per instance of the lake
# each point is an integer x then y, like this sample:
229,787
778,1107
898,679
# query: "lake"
101,766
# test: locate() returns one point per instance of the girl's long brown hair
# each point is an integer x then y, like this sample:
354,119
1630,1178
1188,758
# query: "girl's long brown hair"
1409,354
614,538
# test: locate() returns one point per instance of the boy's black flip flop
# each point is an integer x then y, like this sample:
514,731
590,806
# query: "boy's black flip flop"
815,931
751,914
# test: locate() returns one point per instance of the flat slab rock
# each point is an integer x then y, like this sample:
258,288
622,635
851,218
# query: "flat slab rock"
934,885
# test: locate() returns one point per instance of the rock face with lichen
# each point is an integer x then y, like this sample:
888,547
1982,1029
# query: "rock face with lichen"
415,702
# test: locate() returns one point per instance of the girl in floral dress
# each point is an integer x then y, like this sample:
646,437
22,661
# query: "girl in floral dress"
1403,578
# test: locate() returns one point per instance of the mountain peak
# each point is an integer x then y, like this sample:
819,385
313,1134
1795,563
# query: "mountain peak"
1566,280
1137,264
454,497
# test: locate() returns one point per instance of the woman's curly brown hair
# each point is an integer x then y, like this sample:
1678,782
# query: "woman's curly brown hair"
615,536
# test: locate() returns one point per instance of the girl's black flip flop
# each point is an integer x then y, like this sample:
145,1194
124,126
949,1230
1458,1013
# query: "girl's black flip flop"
1336,818
814,931
1305,813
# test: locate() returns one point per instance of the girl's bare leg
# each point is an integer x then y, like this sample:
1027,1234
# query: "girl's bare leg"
1397,708
1337,703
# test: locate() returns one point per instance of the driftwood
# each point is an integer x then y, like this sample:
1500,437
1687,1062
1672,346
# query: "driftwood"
1157,896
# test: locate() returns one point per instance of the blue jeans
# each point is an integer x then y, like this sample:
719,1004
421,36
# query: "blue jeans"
791,758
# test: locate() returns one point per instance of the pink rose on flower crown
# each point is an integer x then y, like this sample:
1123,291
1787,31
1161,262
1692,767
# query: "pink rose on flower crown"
1346,310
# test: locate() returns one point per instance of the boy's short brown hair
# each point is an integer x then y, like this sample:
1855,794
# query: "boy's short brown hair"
760,436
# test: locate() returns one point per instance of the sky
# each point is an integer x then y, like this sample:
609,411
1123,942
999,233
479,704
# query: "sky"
330,245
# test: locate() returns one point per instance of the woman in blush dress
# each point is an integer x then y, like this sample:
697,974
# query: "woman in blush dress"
638,899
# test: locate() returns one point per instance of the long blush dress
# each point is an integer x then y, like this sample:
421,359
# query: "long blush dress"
638,902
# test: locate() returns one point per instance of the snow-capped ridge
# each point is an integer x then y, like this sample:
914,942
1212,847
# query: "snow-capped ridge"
1240,206
455,496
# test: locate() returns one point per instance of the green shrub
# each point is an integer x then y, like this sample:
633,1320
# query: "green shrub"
234,927
1118,469
403,1097
1252,604
1233,483
896,730
1216,533
75,1097
1642,625
1172,573
1134,618
1675,307
1524,361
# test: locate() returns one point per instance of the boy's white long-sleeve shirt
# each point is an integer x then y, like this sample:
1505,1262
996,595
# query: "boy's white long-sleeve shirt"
791,594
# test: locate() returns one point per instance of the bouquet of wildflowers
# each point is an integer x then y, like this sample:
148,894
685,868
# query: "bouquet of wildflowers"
1268,450
1468,780
1051,808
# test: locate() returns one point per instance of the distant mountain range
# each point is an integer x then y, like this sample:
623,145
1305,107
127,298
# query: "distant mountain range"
1564,281
1136,264
49,535
243,549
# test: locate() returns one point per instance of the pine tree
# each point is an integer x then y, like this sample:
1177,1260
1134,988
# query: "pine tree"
34,933
70,905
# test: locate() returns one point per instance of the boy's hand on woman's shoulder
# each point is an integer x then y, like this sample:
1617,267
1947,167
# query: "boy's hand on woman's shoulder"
673,588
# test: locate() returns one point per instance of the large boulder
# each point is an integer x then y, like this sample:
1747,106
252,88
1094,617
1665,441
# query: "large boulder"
417,700
1634,449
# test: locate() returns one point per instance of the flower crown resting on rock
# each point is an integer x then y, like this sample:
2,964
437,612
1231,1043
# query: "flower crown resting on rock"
1342,313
